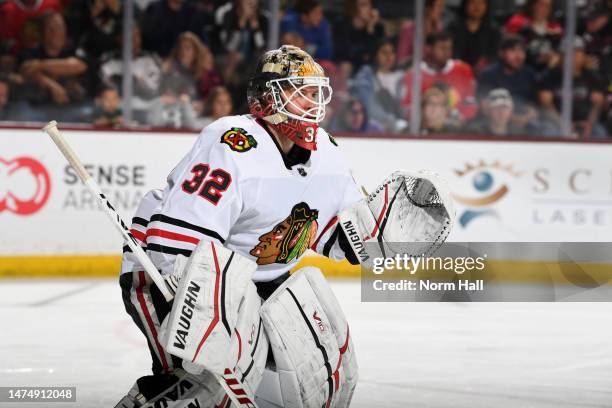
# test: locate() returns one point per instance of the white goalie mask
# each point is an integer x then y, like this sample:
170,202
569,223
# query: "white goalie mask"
314,90
289,90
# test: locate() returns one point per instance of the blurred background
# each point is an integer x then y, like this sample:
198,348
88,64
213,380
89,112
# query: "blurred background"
529,68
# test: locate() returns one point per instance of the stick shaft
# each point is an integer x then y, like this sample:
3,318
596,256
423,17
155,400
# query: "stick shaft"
64,147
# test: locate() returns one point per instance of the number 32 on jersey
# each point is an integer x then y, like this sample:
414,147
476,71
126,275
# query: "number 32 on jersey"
210,187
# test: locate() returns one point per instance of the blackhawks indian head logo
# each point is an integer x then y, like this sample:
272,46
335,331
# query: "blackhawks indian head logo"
238,140
289,238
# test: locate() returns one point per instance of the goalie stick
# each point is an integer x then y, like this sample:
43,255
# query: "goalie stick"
232,386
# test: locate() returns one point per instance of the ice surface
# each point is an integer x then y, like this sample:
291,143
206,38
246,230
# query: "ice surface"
76,333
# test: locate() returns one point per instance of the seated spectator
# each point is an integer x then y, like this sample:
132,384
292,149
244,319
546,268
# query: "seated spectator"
107,111
146,75
357,34
218,105
496,116
243,28
433,23
353,118
436,115
14,18
185,66
97,23
439,67
165,20
475,37
210,78
510,72
596,31
379,88
52,69
307,19
588,92
542,35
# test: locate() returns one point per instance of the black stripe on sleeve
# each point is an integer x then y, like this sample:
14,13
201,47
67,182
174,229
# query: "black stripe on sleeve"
185,224
168,250
224,274
330,381
140,221
330,242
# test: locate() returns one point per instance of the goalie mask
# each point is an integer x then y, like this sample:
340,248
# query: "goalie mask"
289,91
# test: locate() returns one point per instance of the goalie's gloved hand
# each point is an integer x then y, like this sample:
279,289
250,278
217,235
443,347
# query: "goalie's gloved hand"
172,280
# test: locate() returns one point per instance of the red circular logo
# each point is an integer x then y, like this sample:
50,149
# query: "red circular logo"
17,204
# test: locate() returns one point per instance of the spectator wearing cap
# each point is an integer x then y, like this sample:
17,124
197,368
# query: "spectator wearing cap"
440,67
541,34
307,19
511,72
588,95
357,34
496,118
476,37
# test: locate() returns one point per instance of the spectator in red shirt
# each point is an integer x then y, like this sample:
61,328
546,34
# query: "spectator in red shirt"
456,75
542,35
15,13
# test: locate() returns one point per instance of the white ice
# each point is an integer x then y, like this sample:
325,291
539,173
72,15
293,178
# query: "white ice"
537,355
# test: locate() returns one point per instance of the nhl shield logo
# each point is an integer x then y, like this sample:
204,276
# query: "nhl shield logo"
238,140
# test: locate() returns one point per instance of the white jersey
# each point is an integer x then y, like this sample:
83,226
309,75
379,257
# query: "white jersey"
235,187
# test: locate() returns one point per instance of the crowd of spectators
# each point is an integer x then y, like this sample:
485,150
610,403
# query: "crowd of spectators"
483,72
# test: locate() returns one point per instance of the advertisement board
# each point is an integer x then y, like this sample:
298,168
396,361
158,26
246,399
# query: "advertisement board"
503,190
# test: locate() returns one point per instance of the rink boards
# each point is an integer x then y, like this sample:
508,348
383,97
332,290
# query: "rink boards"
504,191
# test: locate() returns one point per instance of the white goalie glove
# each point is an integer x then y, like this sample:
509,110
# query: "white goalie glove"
409,213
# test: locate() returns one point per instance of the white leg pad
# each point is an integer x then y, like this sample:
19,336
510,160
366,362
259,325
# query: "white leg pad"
205,313
310,340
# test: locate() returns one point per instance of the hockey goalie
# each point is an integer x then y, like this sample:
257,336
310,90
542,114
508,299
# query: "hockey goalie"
238,212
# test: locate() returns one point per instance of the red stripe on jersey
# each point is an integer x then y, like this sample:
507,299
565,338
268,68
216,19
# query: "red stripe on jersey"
145,310
139,235
215,319
154,232
330,224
